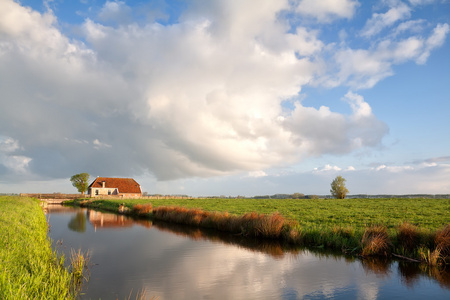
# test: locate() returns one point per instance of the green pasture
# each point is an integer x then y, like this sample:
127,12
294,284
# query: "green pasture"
319,214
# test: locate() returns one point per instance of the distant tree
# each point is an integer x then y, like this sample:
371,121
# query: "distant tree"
81,182
338,189
298,196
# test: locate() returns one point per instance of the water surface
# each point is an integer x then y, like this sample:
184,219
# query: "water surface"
178,262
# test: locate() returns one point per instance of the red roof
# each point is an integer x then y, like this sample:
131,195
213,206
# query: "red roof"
123,185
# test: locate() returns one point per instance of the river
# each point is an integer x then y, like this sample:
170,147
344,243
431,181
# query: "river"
131,257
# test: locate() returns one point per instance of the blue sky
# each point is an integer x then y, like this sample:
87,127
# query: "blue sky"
226,97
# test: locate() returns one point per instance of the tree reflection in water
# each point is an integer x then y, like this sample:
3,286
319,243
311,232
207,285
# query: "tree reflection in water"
78,222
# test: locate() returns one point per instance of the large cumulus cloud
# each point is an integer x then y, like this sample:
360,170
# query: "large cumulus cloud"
203,96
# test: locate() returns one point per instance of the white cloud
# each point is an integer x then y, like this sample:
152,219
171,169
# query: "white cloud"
410,179
8,144
363,68
327,10
327,168
421,2
380,167
99,145
322,131
116,12
434,41
19,164
361,109
414,26
257,174
333,169
393,169
9,163
358,68
380,21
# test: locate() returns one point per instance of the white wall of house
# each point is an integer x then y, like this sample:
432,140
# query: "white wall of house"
94,192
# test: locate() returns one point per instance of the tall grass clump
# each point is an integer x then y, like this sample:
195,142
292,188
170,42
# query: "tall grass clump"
268,226
250,224
142,209
375,241
442,242
79,267
29,269
430,257
408,236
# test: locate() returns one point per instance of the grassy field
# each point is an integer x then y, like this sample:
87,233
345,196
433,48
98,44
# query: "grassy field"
320,214
29,269
417,228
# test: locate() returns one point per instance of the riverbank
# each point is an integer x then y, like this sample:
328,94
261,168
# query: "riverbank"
29,269
417,229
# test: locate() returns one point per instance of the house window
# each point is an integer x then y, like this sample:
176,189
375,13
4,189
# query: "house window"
109,192
96,192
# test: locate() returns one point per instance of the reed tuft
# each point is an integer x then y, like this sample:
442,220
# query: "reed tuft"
142,209
408,236
250,224
443,241
375,241
79,267
442,251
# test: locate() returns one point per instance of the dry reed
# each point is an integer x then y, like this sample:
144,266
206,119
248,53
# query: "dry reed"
250,224
142,209
443,241
375,241
408,236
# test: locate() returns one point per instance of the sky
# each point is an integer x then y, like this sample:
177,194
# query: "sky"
226,98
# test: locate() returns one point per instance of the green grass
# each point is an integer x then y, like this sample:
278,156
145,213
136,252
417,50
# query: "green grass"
29,269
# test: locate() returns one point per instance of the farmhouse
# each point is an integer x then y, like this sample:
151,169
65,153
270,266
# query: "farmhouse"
120,187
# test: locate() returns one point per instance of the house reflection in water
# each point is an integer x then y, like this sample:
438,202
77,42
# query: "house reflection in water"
102,220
